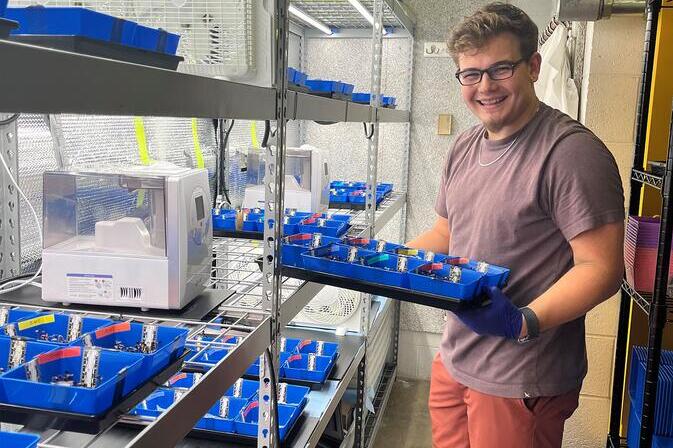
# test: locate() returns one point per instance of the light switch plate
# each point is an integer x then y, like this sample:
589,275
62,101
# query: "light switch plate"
444,124
436,50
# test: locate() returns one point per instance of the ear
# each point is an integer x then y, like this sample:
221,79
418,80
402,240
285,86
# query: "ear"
534,64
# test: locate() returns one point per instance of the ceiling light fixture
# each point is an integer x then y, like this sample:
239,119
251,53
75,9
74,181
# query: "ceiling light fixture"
298,13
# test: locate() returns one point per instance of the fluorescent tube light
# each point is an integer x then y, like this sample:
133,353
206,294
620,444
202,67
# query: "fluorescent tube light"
364,12
298,13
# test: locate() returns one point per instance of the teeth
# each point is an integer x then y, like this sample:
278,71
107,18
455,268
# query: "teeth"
491,101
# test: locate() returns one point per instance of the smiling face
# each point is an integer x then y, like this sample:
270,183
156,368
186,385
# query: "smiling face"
503,106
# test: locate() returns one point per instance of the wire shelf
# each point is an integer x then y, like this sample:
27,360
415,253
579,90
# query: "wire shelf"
644,300
341,14
647,178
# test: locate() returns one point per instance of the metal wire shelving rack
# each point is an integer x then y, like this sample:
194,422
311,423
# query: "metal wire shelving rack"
657,306
255,311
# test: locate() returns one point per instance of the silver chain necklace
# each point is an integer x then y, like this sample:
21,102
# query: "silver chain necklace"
502,154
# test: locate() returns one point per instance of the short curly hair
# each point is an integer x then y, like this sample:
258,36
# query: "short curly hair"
490,21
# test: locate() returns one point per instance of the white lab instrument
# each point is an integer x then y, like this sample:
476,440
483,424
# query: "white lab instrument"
307,180
138,237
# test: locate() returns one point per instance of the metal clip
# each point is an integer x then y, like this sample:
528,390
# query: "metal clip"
316,240
74,327
286,220
322,222
197,377
178,393
32,373
224,407
4,315
17,353
380,246
90,363
329,215
282,393
311,362
291,211
482,267
149,338
319,347
283,344
455,274
429,256
86,339
10,330
352,253
238,388
402,264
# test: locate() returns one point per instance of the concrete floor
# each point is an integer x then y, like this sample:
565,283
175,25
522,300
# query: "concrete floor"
406,422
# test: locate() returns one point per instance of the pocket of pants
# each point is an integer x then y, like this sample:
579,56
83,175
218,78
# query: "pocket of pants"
528,404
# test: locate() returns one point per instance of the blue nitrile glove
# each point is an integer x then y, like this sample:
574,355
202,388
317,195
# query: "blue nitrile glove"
498,318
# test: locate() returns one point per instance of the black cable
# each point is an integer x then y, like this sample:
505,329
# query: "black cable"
223,141
9,120
274,395
217,125
368,134
267,133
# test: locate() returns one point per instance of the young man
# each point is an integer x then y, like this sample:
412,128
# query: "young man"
531,189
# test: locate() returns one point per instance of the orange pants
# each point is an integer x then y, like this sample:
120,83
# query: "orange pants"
464,418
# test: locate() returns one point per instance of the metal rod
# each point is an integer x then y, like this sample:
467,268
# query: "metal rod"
658,308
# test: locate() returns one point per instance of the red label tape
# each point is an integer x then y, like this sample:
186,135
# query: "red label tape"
113,329
63,353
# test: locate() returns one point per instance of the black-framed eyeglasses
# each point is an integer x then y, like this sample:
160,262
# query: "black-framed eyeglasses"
496,72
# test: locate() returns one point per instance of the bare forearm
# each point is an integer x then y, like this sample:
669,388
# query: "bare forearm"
431,240
582,288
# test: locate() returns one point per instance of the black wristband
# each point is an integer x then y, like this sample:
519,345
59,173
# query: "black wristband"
532,323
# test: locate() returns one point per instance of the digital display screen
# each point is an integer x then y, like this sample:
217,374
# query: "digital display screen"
200,210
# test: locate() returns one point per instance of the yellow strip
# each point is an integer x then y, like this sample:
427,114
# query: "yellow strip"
34,322
143,152
141,138
197,145
253,135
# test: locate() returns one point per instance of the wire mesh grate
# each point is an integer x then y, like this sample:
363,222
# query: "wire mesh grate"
341,14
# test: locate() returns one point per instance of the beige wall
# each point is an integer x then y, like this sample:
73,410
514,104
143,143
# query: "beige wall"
613,64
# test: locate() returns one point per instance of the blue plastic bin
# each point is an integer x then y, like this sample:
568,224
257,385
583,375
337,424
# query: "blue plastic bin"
247,419
17,314
332,259
221,416
347,89
321,85
157,40
633,432
360,197
320,348
420,254
114,368
338,195
125,336
3,8
494,275
53,327
18,440
368,244
294,366
381,268
388,101
60,21
33,348
183,380
327,227
663,421
467,289
295,245
296,77
224,219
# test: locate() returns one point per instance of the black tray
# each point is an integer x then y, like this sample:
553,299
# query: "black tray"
334,95
405,295
223,437
349,205
109,50
239,234
40,419
6,27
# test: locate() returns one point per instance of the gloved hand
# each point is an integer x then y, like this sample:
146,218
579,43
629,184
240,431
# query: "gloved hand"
498,318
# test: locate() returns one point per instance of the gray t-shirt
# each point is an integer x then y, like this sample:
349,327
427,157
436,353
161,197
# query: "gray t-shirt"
557,181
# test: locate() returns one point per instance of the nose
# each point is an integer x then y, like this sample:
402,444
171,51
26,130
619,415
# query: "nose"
487,84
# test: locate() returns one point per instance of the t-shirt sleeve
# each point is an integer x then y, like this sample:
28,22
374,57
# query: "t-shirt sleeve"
582,189
440,202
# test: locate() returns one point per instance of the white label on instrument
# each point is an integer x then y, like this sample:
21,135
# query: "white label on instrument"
90,286
89,373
